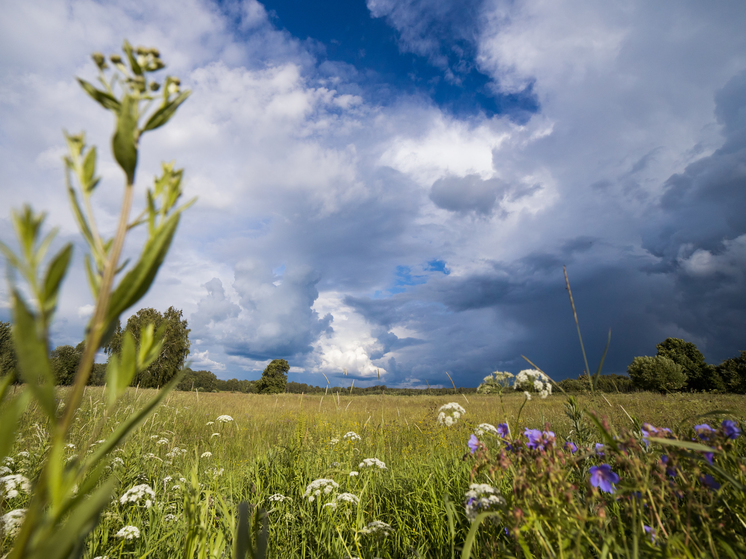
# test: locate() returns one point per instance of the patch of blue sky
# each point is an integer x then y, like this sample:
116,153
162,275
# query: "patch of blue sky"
437,266
345,31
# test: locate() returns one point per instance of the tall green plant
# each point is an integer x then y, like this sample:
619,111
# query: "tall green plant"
68,496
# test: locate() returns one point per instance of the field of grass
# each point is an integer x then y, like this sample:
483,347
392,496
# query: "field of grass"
275,446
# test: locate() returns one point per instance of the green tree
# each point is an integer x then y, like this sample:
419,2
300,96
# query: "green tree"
204,381
274,378
699,375
175,333
65,361
657,374
8,360
733,373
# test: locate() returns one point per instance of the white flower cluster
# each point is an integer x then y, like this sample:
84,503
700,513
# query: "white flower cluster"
128,533
495,383
151,456
139,493
316,488
371,462
353,473
210,423
348,498
449,414
333,442
224,419
483,428
170,518
481,498
531,378
23,454
160,442
11,522
276,498
175,452
11,485
207,454
351,436
117,462
378,528
4,471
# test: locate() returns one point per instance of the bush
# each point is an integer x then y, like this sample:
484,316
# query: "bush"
733,374
658,374
699,375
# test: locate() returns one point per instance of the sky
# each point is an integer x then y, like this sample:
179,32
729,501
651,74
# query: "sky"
392,188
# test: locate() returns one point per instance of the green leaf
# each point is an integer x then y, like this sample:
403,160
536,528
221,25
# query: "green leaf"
9,417
94,281
124,142
106,100
471,536
89,169
55,273
80,218
139,279
33,361
164,114
683,444
132,58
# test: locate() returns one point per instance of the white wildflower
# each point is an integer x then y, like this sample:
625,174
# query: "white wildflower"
449,421
116,461
450,413
153,437
480,498
207,454
150,455
215,435
23,454
276,498
351,436
378,528
11,522
167,479
210,423
544,394
4,471
176,452
333,442
348,498
315,488
483,428
371,462
354,473
160,442
224,419
170,517
128,533
9,462
182,479
538,385
139,493
527,395
12,485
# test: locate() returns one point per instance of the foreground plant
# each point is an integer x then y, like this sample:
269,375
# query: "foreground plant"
70,492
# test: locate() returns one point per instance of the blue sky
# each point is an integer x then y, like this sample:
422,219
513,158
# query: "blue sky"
394,186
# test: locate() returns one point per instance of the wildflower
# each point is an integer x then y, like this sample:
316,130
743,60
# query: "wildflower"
162,442
116,461
348,498
210,423
599,449
483,428
480,498
651,532
704,431
571,446
351,436
731,429
709,481
538,440
8,461
450,413
353,473
670,470
207,454
502,430
128,533
11,522
276,498
215,435
224,419
176,452
377,527
4,471
138,493
370,462
604,478
170,518
22,454
333,442
473,444
527,395
315,488
150,455
11,485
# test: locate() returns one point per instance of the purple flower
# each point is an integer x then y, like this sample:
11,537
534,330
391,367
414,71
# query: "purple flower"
502,430
671,471
651,532
534,438
731,430
710,482
599,449
473,443
569,445
708,457
604,478
704,431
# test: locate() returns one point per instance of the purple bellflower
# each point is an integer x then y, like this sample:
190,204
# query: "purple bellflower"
473,443
731,429
604,478
571,446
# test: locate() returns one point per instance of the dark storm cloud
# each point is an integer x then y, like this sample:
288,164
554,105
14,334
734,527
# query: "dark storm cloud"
466,194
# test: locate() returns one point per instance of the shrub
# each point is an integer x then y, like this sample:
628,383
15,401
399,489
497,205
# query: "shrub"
658,374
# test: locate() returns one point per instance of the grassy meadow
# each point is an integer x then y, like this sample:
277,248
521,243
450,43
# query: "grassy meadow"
200,468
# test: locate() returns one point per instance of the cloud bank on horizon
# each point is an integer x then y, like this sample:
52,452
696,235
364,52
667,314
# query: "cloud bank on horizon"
394,187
